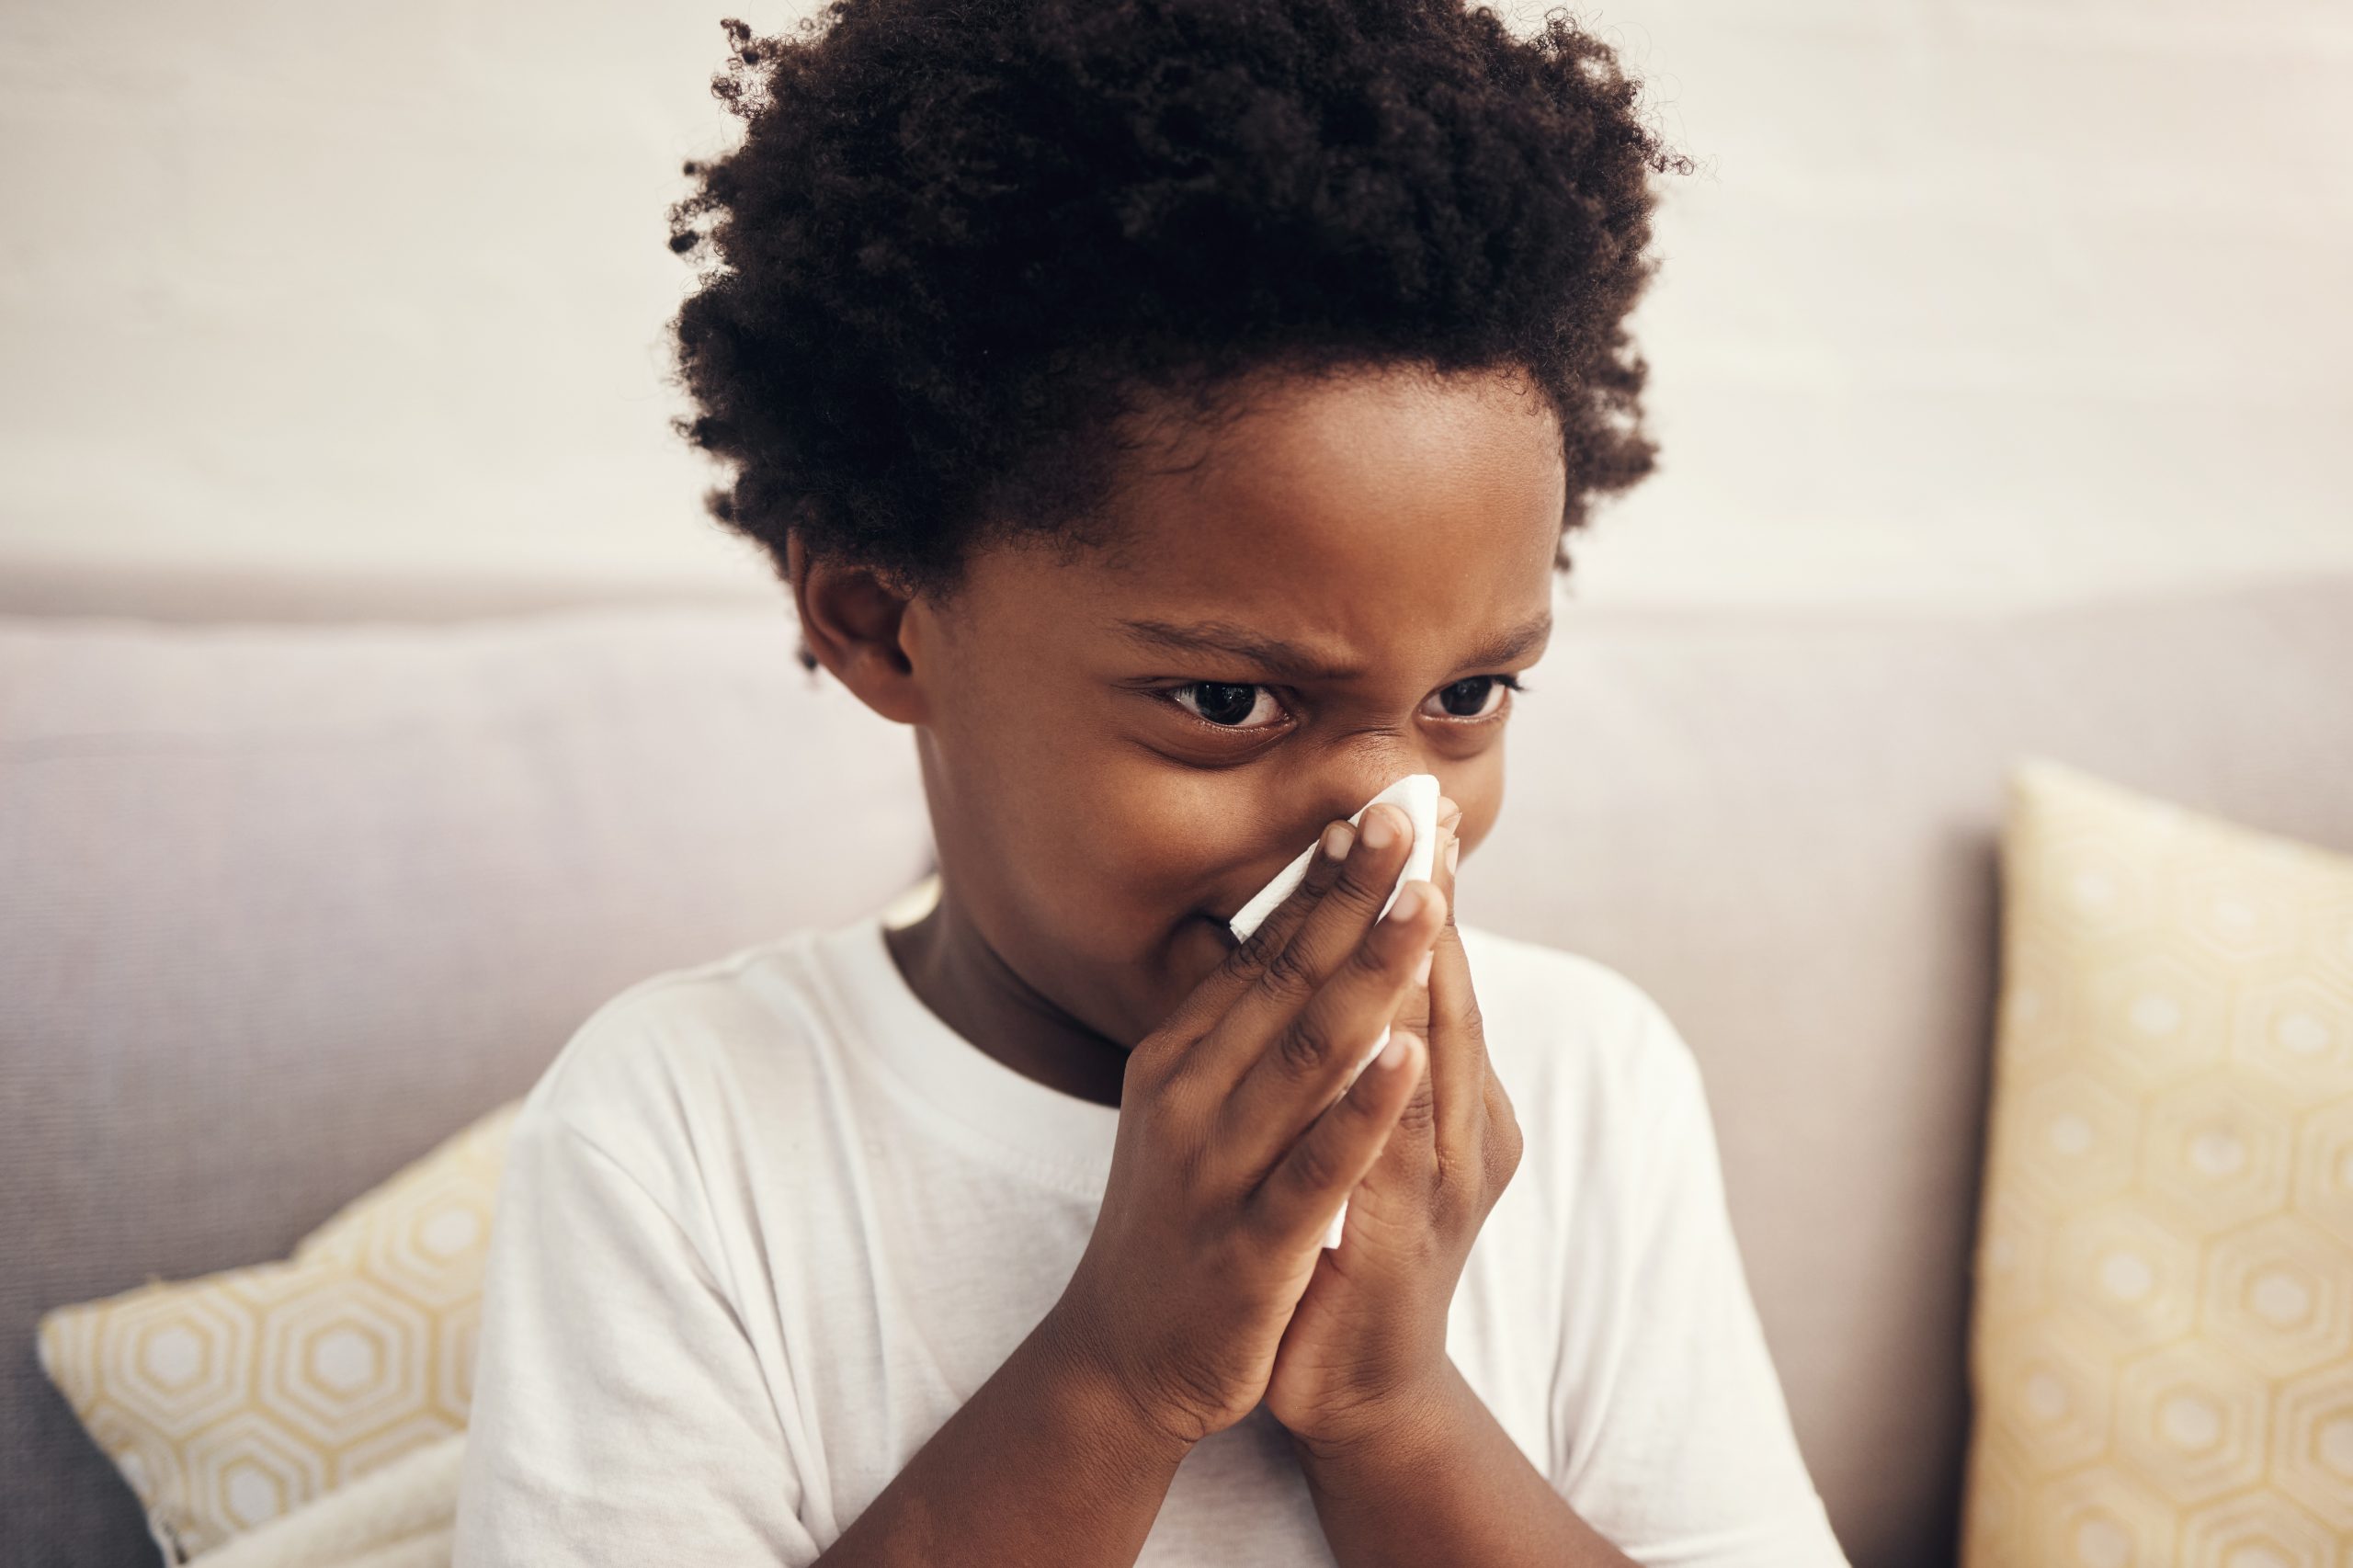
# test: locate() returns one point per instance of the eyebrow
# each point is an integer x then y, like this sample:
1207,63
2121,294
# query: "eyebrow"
1295,663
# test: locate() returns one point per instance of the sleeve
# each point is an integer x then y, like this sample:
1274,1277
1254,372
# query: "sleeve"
620,1415
1687,1458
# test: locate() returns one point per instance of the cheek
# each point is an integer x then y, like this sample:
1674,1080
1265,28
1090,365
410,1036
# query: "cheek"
1101,848
1110,894
1145,845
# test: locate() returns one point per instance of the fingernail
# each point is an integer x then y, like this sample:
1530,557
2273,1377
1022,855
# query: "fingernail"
1449,812
1408,904
1337,839
1453,854
1377,832
1393,1053
1422,971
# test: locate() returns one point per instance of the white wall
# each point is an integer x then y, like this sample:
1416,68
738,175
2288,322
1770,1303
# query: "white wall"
1978,299
1995,299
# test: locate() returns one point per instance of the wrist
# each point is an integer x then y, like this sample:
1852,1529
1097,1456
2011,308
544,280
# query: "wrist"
1087,1381
1399,1432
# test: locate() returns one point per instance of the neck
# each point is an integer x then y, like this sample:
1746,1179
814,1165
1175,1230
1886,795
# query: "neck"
952,968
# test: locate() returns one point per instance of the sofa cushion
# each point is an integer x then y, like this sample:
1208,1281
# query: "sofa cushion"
234,1399
2162,1345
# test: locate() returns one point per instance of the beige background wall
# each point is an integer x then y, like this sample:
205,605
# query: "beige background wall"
1974,300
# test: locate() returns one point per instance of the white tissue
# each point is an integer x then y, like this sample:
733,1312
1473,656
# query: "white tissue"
1418,793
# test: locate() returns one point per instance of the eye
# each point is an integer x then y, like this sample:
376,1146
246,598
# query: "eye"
1228,706
1481,697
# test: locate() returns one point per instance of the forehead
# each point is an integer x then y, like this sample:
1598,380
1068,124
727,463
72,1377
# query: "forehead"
1368,512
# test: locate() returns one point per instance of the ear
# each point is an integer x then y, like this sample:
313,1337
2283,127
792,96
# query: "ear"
855,622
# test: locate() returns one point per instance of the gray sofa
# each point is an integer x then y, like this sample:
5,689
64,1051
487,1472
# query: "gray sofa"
282,904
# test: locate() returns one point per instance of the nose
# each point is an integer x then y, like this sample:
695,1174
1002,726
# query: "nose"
1350,786
1339,792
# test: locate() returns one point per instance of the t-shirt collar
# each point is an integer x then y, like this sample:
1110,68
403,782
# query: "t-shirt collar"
1058,1137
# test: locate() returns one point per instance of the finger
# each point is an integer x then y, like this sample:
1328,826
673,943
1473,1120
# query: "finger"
1241,968
1287,975
1413,1159
1503,1137
1459,1073
1308,1062
1414,1013
1296,1202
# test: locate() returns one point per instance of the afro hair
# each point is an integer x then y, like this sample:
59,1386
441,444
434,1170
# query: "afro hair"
962,242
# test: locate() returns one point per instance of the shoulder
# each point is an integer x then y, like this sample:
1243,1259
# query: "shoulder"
656,1077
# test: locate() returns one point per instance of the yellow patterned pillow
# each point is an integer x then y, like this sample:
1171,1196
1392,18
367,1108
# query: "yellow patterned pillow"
2162,1349
230,1399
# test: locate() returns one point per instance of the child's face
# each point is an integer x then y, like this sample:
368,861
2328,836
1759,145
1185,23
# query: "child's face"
1097,811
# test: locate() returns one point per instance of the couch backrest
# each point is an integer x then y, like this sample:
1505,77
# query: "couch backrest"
1784,827
283,906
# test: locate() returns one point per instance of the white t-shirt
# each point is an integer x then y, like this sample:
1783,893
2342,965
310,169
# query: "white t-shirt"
767,1223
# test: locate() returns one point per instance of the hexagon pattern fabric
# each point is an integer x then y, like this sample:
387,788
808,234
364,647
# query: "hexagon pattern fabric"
2162,1349
233,1399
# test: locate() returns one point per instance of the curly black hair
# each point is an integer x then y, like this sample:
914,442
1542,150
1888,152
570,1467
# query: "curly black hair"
962,242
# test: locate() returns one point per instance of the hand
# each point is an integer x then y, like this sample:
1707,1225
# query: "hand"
1236,1145
1366,1347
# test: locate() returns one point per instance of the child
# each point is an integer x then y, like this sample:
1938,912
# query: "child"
1171,411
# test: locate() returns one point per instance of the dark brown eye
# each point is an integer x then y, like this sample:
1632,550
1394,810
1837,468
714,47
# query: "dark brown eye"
1222,703
1472,698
